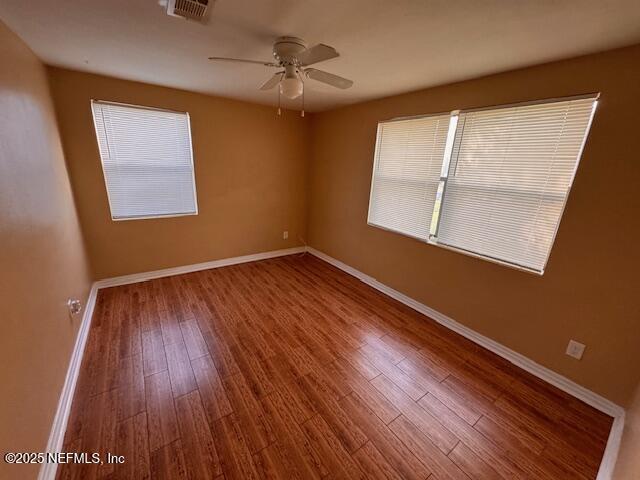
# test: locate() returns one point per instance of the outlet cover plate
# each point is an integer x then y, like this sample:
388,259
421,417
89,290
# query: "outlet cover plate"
575,349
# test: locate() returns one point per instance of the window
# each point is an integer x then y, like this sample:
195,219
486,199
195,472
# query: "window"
406,174
146,160
503,177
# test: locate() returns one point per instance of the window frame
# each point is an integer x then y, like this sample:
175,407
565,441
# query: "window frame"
104,176
432,237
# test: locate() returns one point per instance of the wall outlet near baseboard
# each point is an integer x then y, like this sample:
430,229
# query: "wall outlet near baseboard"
575,349
285,235
74,306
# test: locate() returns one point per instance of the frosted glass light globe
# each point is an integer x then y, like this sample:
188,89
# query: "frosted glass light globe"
291,87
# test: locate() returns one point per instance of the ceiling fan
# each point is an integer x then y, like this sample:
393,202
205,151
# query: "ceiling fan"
293,58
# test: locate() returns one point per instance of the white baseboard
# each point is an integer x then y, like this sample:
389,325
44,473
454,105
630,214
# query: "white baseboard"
608,464
168,272
549,376
59,427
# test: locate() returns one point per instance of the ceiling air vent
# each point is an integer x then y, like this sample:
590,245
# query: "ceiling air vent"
189,9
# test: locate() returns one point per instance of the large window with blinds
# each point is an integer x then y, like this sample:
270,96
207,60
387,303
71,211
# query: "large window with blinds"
488,182
146,160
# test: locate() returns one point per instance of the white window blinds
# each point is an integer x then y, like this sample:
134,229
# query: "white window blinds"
506,176
146,159
406,173
509,177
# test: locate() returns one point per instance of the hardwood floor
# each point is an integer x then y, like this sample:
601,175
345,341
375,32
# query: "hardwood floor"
290,368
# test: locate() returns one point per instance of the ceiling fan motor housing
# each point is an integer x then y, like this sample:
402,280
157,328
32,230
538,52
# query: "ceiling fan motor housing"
286,49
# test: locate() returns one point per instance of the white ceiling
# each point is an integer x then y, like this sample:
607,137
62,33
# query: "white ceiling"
386,46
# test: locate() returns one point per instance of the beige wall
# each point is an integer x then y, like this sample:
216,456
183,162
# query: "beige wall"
250,167
589,291
628,465
42,258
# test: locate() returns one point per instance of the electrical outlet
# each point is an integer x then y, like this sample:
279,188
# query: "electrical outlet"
285,235
74,306
575,349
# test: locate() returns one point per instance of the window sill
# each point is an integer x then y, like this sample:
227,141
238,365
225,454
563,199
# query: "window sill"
151,217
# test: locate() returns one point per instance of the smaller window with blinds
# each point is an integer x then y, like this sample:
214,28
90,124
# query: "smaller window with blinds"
147,161
493,185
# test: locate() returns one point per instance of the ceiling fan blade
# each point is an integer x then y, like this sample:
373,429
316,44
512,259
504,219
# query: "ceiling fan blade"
257,62
317,53
272,82
328,78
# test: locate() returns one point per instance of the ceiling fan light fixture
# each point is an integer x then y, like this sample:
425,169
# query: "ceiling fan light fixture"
291,86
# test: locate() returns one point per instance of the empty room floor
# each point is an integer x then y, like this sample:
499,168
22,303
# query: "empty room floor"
290,368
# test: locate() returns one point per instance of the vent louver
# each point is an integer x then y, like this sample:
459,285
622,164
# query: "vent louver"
189,9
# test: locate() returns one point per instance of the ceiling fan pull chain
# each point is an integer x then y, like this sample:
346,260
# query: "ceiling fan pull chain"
302,112
279,110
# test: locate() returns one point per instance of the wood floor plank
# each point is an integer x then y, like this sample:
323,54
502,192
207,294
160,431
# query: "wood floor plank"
386,350
513,437
153,353
409,384
530,415
436,461
331,449
328,407
287,387
99,433
509,463
564,463
149,319
373,463
193,339
129,334
105,360
219,349
201,459
470,463
248,413
304,458
180,372
376,401
170,327
490,383
360,362
271,463
161,414
464,401
167,463
252,371
131,398
213,394
417,362
394,451
133,444
554,421
427,424
290,368
235,457
328,379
